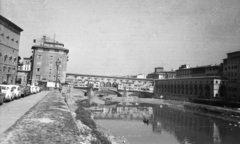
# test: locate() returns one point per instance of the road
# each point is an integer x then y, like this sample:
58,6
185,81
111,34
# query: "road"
10,112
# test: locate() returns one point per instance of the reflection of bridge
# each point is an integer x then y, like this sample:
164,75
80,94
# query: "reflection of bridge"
123,112
131,84
119,116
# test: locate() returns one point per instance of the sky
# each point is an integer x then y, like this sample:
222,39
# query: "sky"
128,37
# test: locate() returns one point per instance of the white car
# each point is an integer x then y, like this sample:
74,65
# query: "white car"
17,90
38,88
9,92
33,89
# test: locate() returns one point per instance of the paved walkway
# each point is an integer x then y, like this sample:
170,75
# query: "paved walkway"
10,112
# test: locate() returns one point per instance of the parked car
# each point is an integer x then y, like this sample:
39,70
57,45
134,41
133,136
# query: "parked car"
26,91
17,90
38,88
9,92
2,95
33,89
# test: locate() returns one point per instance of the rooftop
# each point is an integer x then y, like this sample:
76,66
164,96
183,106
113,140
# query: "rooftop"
49,47
11,23
233,52
198,67
203,77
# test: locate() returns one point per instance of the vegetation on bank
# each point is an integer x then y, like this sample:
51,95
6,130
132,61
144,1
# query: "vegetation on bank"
85,117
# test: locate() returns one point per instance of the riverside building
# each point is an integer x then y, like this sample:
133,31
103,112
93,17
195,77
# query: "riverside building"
231,70
45,55
9,50
201,87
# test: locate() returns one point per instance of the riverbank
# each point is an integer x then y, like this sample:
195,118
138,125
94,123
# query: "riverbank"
54,119
84,118
49,121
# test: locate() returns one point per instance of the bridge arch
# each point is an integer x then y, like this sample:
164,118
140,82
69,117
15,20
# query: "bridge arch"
195,89
175,89
115,85
207,91
108,84
102,84
179,89
186,89
200,90
182,89
190,89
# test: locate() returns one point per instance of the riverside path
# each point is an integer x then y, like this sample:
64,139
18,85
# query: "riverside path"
10,112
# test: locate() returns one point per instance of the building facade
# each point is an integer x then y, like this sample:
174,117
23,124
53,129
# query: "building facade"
9,50
201,87
44,59
231,70
24,71
159,73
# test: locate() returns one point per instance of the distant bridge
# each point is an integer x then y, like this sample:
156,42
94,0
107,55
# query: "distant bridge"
131,84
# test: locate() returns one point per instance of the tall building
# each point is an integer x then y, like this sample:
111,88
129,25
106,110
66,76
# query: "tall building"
9,50
24,71
44,68
231,70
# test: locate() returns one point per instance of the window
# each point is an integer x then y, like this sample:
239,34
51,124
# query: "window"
10,59
15,61
38,77
38,69
39,56
5,58
50,64
51,58
39,63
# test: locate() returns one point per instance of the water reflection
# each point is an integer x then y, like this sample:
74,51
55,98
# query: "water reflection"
120,111
190,127
186,127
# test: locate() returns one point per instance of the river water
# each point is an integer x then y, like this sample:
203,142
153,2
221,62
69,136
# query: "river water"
167,125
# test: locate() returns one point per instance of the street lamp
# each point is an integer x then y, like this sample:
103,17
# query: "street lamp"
58,62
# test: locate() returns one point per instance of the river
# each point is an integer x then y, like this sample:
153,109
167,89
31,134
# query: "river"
167,125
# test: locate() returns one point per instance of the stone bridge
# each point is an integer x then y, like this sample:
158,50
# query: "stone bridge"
131,84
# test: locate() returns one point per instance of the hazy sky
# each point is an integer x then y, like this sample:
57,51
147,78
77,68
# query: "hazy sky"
120,37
